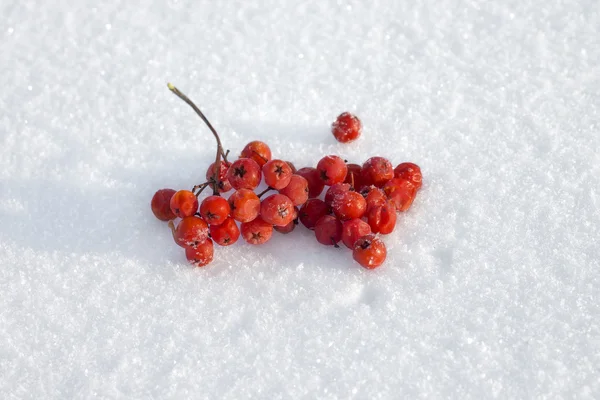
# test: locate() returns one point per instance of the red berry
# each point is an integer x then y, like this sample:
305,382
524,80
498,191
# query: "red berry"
382,218
296,190
258,151
256,231
244,204
225,234
214,210
290,226
224,185
315,184
161,204
328,230
312,211
401,193
411,172
346,128
292,166
354,177
190,232
200,255
277,174
352,230
277,209
374,196
184,203
349,205
369,251
377,171
332,170
334,191
244,174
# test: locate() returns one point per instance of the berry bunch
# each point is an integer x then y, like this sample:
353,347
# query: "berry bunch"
359,204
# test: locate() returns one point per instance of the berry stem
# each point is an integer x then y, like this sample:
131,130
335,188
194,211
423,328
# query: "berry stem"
220,151
264,191
202,186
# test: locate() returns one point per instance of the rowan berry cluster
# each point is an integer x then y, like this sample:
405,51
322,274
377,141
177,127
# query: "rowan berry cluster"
359,204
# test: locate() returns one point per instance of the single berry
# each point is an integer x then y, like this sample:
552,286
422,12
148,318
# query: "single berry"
346,128
349,205
382,218
184,203
277,174
277,209
258,151
296,190
290,226
401,193
315,184
332,170
226,233
411,172
224,185
200,255
312,211
335,191
328,230
369,251
292,166
161,204
244,174
244,204
214,210
377,171
190,232
354,177
374,196
256,231
352,230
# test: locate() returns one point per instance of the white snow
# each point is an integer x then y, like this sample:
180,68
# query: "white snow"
491,287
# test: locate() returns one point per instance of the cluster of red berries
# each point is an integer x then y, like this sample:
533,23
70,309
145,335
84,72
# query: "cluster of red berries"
359,204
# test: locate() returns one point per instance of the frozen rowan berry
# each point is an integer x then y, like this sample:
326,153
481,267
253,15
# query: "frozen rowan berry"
224,185
334,191
377,171
296,190
244,173
346,128
226,233
244,204
315,184
332,169
369,251
277,174
258,151
374,196
312,211
352,230
190,231
200,255
277,209
290,226
161,204
411,172
214,210
256,231
382,218
328,230
354,177
401,193
349,205
184,203
292,167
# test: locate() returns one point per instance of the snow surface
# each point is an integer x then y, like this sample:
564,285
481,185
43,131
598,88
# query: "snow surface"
491,287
